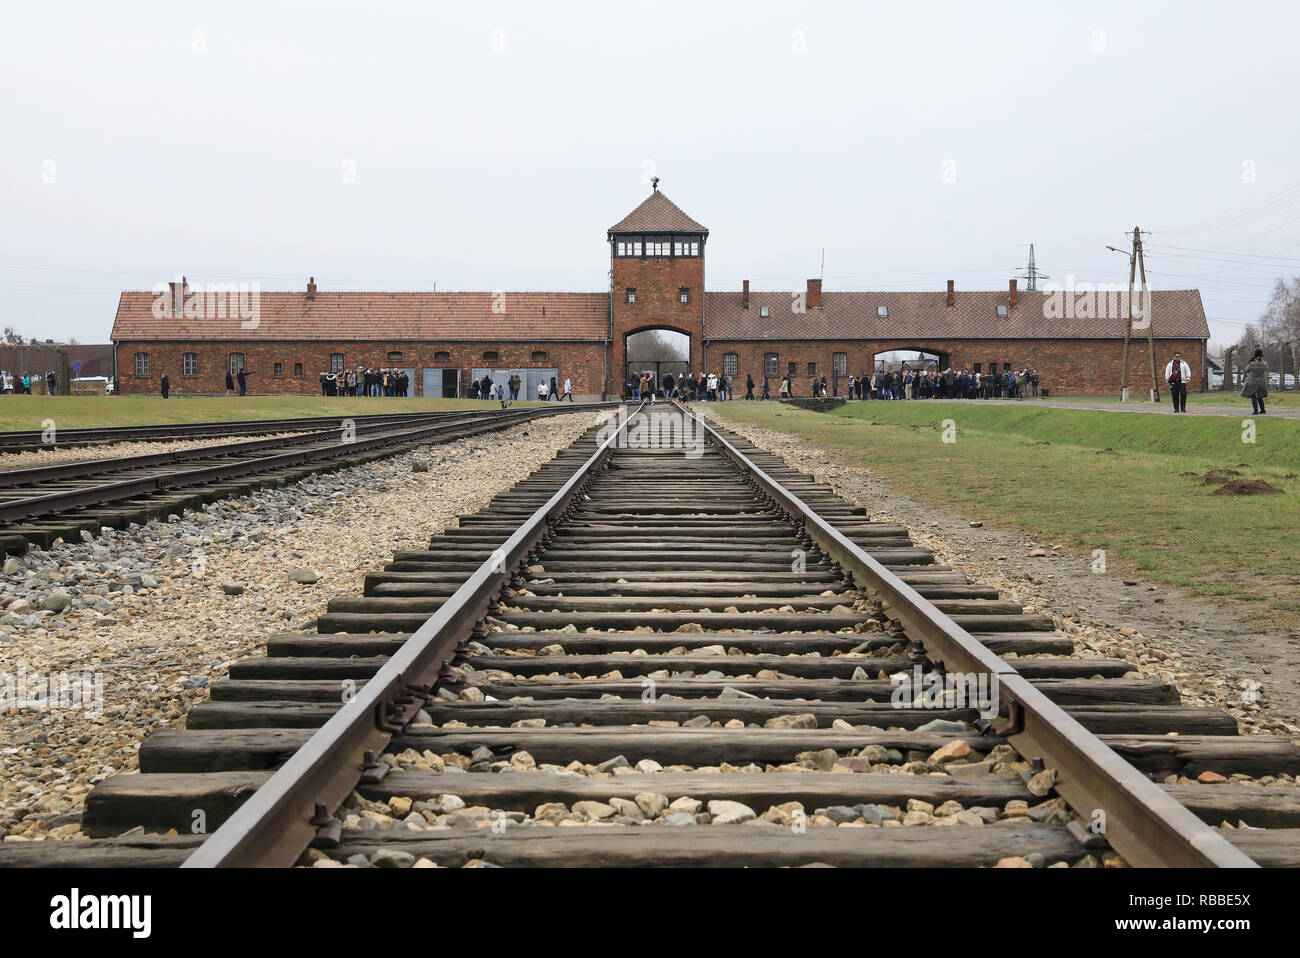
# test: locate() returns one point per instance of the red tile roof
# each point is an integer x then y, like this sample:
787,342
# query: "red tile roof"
658,214
389,316
1176,314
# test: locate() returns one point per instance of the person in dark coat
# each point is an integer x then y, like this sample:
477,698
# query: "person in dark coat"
1256,382
749,386
230,383
555,391
165,386
243,381
51,383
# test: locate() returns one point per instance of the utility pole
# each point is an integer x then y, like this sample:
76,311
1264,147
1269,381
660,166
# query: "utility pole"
1146,314
1128,319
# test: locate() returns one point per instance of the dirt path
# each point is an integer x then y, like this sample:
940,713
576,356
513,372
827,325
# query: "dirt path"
1205,650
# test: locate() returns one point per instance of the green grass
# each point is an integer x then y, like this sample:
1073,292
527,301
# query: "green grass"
1048,471
78,412
1138,397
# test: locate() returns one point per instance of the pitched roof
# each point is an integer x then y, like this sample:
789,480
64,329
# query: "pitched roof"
657,214
1176,313
368,316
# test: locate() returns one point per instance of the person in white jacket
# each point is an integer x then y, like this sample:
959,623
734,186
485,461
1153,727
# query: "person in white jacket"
1178,374
541,390
568,390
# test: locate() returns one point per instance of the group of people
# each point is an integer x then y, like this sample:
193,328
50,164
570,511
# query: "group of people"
364,382
22,385
487,388
905,383
710,387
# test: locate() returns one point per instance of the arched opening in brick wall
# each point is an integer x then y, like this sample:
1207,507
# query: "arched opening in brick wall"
917,359
661,351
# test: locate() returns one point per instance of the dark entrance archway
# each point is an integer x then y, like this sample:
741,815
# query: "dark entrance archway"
661,351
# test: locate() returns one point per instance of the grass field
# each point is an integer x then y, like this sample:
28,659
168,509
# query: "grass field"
1129,484
79,412
1282,400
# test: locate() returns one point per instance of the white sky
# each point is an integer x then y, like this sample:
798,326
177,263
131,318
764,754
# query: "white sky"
493,144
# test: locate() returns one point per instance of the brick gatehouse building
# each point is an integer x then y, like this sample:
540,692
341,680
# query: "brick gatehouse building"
657,277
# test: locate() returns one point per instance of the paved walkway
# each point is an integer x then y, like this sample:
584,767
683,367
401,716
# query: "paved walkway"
1161,408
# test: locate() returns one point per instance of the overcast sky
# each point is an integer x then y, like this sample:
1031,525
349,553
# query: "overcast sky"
489,146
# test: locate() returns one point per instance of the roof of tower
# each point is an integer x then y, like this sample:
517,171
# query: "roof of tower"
657,214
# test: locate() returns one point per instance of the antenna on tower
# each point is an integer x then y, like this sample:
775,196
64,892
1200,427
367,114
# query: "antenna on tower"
1031,274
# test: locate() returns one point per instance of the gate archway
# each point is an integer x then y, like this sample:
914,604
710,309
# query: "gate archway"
661,351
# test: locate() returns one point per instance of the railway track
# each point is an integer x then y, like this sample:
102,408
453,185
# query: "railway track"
637,656
30,440
41,504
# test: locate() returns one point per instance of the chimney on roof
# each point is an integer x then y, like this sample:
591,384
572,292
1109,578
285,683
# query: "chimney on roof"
744,295
814,294
952,294
179,292
1012,293
311,287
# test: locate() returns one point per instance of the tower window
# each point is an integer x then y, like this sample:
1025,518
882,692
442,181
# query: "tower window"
683,295
686,246
628,246
631,295
657,247
770,364
729,364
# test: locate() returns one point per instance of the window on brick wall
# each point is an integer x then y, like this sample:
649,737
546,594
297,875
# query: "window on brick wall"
142,364
394,357
979,367
792,369
730,363
236,363
631,295
770,364
657,247
190,364
840,362
442,356
812,369
684,295
1006,367
491,356
336,362
686,246
539,356
628,246
279,369
297,370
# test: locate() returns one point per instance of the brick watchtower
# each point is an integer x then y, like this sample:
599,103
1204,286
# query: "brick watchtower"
657,278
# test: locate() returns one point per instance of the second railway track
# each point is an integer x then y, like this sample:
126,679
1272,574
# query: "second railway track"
638,656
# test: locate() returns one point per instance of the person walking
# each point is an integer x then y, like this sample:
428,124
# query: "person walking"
51,383
749,386
1256,384
767,391
514,383
230,383
243,381
165,386
1178,374
568,390
541,390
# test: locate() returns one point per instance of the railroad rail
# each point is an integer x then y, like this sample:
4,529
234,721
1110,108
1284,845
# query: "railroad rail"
28,440
638,638
41,504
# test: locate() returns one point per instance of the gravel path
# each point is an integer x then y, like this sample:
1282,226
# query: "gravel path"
143,617
118,450
1208,652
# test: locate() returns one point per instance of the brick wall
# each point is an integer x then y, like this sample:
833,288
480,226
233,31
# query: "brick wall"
658,281
1064,365
582,362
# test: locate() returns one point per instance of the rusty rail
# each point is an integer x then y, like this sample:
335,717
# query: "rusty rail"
281,819
1143,824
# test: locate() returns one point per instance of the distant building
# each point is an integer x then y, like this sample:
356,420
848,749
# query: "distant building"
442,339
